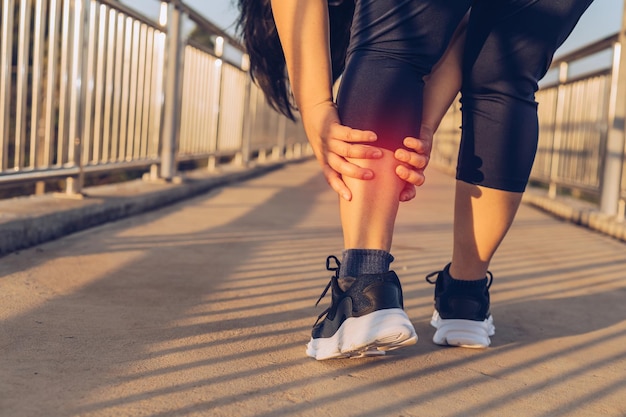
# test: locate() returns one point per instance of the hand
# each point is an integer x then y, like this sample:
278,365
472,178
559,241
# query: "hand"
333,143
414,162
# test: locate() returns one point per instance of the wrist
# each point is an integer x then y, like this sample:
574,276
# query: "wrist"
427,131
311,106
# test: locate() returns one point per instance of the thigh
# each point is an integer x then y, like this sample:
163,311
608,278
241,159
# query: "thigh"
393,45
512,42
510,45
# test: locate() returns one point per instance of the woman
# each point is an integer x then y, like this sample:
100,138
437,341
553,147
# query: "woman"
367,146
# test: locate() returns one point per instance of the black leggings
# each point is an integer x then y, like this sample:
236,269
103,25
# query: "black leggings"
509,47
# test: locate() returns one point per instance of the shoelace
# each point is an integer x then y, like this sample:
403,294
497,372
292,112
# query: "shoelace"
336,276
436,273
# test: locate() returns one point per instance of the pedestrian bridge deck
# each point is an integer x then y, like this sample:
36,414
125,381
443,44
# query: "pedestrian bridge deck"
204,308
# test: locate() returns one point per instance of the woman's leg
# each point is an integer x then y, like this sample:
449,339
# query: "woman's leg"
482,217
394,44
383,95
509,47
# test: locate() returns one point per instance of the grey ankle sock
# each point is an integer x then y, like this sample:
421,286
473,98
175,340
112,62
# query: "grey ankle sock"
357,262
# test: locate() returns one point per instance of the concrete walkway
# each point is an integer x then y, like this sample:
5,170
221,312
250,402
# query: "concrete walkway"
204,309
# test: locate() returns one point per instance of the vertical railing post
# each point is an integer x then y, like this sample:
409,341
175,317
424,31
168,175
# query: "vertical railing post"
248,116
614,153
37,102
279,151
217,85
74,184
6,69
23,63
558,130
172,83
214,134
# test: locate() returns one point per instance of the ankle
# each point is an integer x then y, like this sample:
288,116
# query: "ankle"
467,271
356,262
461,282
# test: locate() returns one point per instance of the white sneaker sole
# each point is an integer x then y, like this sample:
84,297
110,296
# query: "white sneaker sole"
463,333
369,335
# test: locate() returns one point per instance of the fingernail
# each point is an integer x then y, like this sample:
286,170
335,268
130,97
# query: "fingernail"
372,137
377,154
346,196
368,176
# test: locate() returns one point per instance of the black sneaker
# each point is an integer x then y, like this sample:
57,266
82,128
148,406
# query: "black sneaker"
365,317
461,316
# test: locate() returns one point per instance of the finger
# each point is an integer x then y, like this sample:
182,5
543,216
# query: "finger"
336,183
348,134
414,159
408,192
348,169
415,177
422,146
348,150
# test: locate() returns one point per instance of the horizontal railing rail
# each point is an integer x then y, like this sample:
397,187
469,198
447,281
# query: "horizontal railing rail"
92,86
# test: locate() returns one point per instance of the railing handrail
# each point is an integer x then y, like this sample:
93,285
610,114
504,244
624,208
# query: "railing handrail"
587,50
206,24
135,14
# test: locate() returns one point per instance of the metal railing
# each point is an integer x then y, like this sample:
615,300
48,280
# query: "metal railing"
93,86
575,117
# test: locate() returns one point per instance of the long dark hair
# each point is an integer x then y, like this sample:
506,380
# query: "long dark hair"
267,61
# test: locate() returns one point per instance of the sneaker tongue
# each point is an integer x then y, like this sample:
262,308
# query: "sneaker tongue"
345,283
